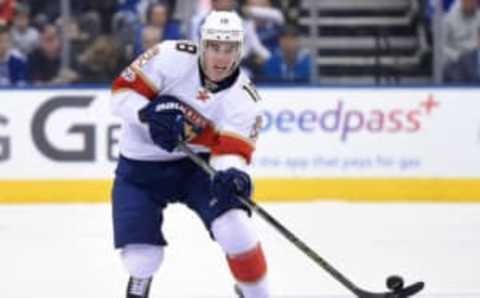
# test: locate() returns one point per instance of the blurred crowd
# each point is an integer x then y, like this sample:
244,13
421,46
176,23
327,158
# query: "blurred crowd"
105,36
462,42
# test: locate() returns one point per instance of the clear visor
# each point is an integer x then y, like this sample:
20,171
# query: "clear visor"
227,47
222,35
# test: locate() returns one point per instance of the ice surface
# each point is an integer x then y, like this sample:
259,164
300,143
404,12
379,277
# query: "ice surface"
66,251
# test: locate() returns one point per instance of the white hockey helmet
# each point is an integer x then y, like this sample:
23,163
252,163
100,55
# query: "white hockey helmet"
222,26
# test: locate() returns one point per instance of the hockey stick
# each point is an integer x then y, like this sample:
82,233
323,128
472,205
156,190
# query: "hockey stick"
394,283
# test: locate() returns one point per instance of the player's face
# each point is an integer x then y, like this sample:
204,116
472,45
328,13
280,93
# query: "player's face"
219,59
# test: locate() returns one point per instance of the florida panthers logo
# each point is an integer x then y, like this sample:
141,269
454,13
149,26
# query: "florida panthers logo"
203,95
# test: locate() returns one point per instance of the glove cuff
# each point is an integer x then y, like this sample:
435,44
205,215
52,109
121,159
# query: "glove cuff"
226,161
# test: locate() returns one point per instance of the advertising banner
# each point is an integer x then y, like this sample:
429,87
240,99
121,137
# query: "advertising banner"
314,142
369,133
57,134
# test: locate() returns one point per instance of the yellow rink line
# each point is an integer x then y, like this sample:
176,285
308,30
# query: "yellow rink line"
267,190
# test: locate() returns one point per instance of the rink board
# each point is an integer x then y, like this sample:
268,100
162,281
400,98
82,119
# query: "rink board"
357,144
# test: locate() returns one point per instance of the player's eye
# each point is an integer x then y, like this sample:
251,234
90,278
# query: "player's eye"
214,46
230,49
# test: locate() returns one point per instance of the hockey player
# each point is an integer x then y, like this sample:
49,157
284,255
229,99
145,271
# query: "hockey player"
178,91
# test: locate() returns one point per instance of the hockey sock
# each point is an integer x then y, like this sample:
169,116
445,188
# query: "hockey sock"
142,260
255,290
250,269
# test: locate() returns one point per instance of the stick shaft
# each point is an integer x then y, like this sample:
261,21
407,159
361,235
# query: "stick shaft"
276,224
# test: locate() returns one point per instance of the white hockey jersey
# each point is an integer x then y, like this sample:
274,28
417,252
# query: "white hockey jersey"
228,110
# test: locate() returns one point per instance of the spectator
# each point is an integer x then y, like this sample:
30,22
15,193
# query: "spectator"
144,5
446,4
44,12
430,4
291,10
124,28
24,37
127,14
80,30
268,20
136,11
104,10
150,36
45,62
159,16
467,69
290,63
99,63
128,5
13,70
461,24
139,7
6,11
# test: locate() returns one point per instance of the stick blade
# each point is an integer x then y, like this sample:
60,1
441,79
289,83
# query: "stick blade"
403,293
411,289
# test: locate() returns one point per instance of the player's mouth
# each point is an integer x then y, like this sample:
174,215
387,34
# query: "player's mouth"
220,68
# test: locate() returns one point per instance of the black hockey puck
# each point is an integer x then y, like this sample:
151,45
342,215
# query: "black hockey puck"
395,283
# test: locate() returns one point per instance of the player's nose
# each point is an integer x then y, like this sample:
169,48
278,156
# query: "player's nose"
223,58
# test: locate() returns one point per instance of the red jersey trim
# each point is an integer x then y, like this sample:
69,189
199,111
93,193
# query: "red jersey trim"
225,143
134,80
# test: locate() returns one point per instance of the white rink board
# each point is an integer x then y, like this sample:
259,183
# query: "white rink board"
366,132
65,251
309,132
65,128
